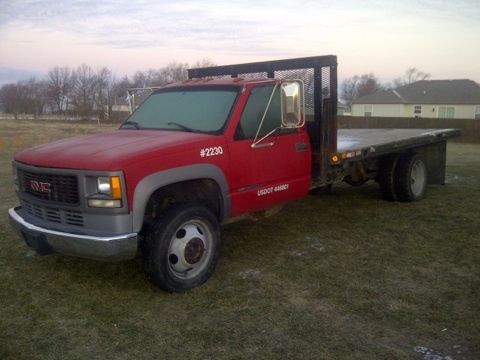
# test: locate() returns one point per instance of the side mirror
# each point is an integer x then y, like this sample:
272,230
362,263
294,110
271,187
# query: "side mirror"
292,104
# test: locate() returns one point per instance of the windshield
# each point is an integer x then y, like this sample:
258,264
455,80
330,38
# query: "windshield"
192,109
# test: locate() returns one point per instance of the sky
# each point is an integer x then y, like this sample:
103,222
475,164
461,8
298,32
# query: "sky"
383,37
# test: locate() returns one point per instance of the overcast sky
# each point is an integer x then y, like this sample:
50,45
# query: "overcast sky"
383,37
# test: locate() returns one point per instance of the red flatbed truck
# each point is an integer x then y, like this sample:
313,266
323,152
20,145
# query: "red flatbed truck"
229,141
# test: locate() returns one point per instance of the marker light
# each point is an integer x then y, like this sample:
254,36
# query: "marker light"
116,188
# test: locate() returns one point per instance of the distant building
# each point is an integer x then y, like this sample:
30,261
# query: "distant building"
121,108
452,99
341,108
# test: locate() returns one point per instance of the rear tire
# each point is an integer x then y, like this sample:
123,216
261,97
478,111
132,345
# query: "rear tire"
410,178
182,248
386,177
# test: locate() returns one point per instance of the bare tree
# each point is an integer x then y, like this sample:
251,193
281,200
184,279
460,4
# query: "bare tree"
348,90
143,79
411,75
10,98
83,94
203,63
34,96
368,84
139,79
59,84
119,90
24,97
103,91
173,72
358,86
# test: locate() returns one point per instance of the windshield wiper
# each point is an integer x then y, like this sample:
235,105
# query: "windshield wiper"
130,122
184,127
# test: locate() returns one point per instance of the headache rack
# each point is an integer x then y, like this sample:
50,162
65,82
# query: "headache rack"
319,74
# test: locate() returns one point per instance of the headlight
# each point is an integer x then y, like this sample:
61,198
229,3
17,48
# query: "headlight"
108,192
110,186
104,186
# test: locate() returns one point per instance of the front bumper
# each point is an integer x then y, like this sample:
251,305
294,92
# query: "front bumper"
44,241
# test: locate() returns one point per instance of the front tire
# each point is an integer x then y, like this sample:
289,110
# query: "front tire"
182,248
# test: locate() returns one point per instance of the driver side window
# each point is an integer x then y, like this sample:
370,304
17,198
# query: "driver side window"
253,112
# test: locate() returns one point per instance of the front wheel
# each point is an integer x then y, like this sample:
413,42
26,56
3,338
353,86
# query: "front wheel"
182,248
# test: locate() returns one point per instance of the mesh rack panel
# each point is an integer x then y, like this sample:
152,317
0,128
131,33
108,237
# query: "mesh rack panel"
326,86
315,72
306,76
258,75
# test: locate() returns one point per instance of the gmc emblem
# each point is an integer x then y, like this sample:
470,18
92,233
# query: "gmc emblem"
41,187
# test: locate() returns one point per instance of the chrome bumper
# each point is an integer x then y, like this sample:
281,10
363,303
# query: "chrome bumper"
44,241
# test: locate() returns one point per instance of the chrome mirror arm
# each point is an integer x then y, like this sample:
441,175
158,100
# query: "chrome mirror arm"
256,141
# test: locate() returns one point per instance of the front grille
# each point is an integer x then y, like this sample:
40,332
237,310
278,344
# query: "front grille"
55,215
58,188
74,218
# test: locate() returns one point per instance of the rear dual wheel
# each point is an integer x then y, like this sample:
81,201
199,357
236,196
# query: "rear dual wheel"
411,179
402,177
386,177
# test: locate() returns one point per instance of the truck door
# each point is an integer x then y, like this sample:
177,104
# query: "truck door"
275,170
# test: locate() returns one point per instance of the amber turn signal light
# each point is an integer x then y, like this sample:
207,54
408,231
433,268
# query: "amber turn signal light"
116,187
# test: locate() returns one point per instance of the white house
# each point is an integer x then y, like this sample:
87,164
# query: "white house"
452,99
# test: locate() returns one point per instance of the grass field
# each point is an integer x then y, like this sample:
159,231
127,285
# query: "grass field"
337,276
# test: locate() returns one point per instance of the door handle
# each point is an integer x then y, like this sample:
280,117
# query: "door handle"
301,146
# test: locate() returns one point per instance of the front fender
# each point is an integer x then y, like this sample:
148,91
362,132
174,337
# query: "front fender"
148,185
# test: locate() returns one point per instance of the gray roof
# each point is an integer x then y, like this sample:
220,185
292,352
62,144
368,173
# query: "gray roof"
462,91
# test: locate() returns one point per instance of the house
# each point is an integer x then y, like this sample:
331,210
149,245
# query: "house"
342,109
453,99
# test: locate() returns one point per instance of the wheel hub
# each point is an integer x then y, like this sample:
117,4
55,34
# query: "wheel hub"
194,251
418,178
189,250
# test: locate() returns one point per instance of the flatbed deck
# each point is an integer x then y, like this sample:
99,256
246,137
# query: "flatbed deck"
364,143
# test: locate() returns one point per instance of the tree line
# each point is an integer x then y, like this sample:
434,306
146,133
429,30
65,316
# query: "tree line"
84,91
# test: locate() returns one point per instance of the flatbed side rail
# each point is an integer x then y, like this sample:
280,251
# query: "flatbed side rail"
366,148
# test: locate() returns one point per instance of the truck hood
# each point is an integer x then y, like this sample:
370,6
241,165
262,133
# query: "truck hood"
109,151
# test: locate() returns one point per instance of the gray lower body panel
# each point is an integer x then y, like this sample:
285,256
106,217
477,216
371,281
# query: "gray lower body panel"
116,247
